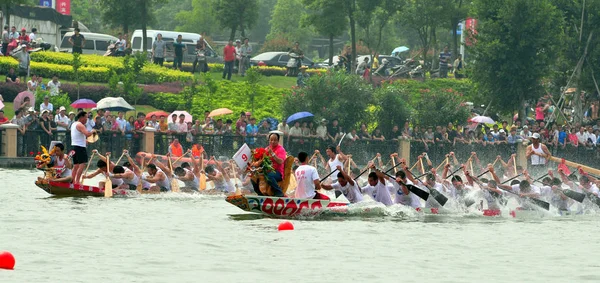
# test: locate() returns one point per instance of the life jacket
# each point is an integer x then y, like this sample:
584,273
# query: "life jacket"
197,150
176,151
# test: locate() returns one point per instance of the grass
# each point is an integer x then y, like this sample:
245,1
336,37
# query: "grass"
275,81
10,113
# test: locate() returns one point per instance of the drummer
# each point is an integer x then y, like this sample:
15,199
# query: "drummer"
278,155
62,164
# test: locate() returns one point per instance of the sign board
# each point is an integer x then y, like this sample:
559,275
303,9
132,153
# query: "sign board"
46,3
243,156
63,6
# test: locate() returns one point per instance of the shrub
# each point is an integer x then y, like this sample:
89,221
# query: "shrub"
392,108
436,107
332,95
98,67
267,70
278,43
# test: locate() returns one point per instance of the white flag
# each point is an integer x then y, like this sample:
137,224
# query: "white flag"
242,156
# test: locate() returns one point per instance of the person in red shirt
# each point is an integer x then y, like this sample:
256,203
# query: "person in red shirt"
139,124
229,58
3,120
23,37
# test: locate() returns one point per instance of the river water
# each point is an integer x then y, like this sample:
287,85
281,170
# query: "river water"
199,238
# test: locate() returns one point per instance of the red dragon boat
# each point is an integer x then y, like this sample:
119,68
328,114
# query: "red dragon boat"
284,207
72,190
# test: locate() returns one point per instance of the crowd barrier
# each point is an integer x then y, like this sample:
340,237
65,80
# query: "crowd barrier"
13,144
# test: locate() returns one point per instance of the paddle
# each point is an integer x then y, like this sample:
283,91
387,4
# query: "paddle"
363,172
579,197
439,197
413,189
486,171
452,174
325,178
537,202
86,168
395,165
174,182
139,185
202,183
108,192
511,179
119,160
340,143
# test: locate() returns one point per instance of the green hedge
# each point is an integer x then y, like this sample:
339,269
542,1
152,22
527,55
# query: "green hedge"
97,68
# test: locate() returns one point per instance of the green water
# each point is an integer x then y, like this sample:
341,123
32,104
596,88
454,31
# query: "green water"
196,238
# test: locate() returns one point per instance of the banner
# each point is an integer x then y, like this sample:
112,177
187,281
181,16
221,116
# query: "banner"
63,6
46,3
242,156
470,30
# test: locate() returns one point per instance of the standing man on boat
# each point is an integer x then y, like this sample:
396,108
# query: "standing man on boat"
538,153
308,180
79,134
336,158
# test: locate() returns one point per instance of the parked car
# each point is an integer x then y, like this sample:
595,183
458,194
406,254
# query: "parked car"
394,60
277,59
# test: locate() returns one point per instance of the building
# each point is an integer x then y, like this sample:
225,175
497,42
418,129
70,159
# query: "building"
50,24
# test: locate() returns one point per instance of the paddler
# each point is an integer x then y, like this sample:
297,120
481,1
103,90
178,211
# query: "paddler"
215,175
346,185
158,178
308,180
430,184
187,176
376,187
402,194
130,164
538,153
101,164
62,164
491,193
557,197
456,186
522,188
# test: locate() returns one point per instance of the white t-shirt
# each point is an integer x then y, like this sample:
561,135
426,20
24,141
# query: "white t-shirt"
305,177
54,88
379,192
65,119
527,205
352,193
333,166
411,199
48,107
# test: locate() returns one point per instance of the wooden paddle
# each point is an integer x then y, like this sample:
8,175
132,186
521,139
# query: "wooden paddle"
202,183
174,182
514,164
86,168
119,160
108,192
139,185
394,164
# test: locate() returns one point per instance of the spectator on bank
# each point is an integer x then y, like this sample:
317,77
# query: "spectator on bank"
296,131
264,129
32,84
377,135
284,128
302,77
178,47
40,83
77,40
163,126
332,132
140,123
239,121
3,120
12,77
5,40
173,124
98,124
251,132
229,58
181,124
363,134
459,66
153,123
54,86
159,50
20,121
207,127
525,133
322,130
445,57
33,35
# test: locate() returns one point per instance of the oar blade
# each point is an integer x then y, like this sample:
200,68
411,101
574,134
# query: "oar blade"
338,194
540,203
579,197
439,197
595,199
420,193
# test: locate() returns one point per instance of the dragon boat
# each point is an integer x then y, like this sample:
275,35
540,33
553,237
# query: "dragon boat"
284,207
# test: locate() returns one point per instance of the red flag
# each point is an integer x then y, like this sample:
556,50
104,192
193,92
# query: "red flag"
470,28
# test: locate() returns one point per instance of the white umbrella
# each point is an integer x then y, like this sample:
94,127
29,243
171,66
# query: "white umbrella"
188,116
114,104
482,119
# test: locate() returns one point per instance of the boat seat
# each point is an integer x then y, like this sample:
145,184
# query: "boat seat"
287,173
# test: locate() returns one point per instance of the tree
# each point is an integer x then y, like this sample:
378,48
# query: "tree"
236,15
200,18
458,12
120,14
286,21
514,49
327,18
168,14
579,53
76,63
253,77
6,5
373,16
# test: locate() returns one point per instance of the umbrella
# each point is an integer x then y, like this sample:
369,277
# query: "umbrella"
188,116
114,104
219,112
158,114
400,49
83,103
298,116
21,97
272,123
482,119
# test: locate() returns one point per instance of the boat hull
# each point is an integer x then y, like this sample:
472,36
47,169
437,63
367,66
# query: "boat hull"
72,190
284,207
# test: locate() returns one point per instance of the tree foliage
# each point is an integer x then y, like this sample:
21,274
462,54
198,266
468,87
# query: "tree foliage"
236,15
327,18
514,49
199,19
286,21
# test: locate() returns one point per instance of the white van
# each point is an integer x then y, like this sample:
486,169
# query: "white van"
190,40
95,43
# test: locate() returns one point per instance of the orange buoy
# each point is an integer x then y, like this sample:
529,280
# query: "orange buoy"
285,225
7,260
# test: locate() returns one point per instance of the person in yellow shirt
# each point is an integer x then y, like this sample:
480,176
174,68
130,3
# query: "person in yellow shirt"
163,125
375,61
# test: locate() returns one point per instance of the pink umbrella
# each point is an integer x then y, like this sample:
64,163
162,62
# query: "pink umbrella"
83,103
18,102
188,116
